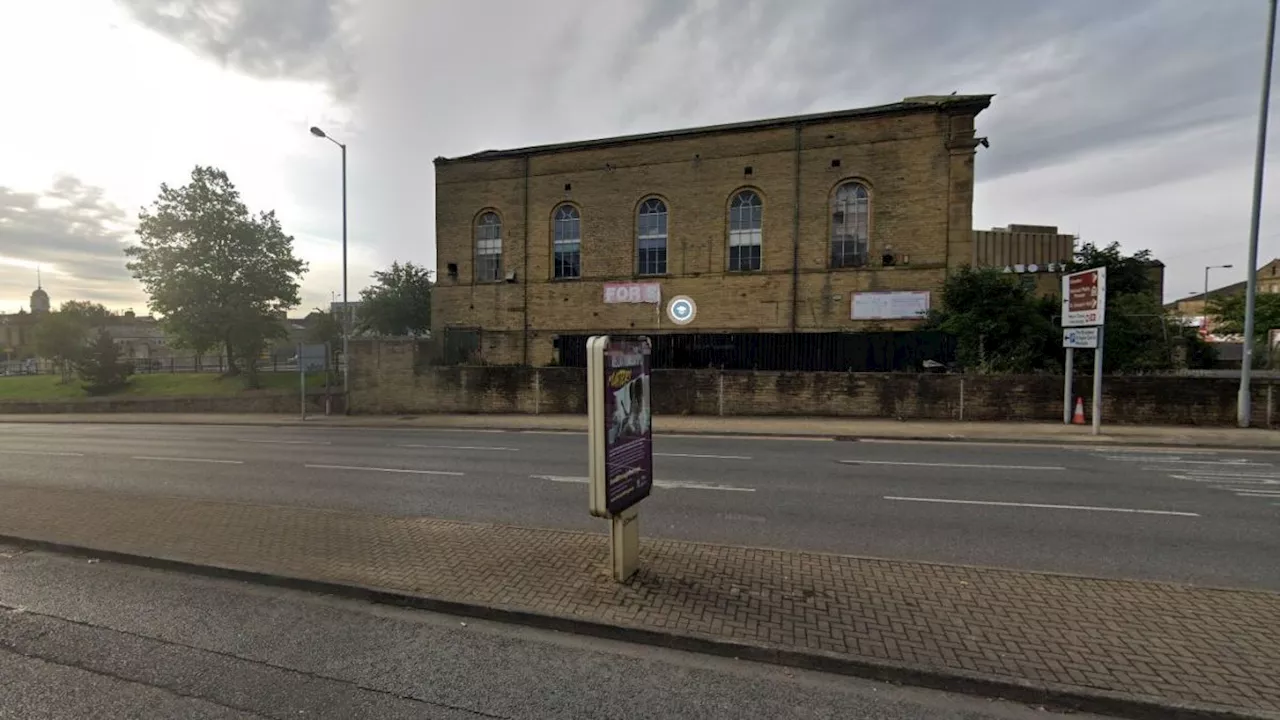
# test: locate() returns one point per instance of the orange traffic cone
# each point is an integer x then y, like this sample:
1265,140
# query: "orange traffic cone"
1078,417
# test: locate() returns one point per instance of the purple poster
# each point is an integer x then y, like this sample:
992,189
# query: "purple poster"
628,424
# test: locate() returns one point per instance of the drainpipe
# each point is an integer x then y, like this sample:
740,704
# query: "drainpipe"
524,273
795,241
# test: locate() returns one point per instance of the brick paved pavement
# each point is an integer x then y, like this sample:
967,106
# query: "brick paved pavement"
1156,641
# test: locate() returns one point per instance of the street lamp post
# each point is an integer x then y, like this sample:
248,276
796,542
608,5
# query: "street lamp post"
1204,299
1244,400
346,308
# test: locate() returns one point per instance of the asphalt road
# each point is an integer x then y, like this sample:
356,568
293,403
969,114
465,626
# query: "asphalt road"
1195,516
81,639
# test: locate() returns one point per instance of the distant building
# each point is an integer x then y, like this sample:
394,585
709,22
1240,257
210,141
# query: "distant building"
1037,254
1192,307
17,330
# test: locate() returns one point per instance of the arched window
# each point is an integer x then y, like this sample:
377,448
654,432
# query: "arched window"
488,247
651,237
850,225
746,214
567,242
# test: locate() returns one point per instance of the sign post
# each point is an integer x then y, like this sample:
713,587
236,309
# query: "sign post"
1084,311
620,437
311,358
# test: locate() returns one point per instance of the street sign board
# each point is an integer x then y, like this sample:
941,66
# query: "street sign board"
621,420
1080,338
682,310
1084,298
313,358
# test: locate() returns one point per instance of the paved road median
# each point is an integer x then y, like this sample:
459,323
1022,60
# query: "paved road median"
1133,648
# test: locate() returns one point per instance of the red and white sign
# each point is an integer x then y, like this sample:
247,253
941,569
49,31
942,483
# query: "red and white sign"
1084,298
624,292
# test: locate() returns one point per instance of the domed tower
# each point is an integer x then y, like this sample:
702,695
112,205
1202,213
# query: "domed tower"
39,298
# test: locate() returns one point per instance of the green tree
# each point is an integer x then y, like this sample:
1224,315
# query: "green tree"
101,368
218,275
324,327
91,314
999,325
1126,274
1227,312
399,301
59,336
1138,335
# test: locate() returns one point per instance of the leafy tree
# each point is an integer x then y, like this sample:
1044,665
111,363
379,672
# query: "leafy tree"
1126,275
1138,336
1227,312
999,325
399,301
59,336
101,368
219,275
324,327
91,314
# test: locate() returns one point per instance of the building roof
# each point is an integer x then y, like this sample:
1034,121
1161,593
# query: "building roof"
919,103
1232,289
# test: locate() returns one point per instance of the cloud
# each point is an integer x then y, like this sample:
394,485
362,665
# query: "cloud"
1095,100
75,236
297,39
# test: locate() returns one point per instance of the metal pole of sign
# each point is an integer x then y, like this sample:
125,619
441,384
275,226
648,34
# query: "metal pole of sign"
1066,387
1097,385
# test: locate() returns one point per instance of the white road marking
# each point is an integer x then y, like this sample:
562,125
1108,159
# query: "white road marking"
461,447
41,452
466,430
670,484
285,442
1140,450
1046,506
386,470
1253,492
752,438
952,465
551,432
1220,463
188,460
1221,477
710,457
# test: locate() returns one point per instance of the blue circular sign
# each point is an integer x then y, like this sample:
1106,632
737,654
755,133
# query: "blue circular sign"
682,309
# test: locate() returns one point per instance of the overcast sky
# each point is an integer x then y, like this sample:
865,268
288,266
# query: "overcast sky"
1124,121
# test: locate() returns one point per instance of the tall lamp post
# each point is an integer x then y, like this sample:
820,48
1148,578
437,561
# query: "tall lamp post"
1244,400
1204,299
346,309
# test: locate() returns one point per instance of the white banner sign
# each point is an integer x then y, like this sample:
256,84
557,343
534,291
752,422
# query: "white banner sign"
621,292
1080,338
890,305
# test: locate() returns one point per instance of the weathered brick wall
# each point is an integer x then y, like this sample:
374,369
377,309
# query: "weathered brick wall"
265,402
384,381
917,166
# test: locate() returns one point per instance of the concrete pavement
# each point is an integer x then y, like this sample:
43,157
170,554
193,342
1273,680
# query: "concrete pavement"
1010,432
1194,516
114,641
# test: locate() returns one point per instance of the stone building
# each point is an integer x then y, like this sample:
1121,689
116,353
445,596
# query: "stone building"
18,330
839,221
